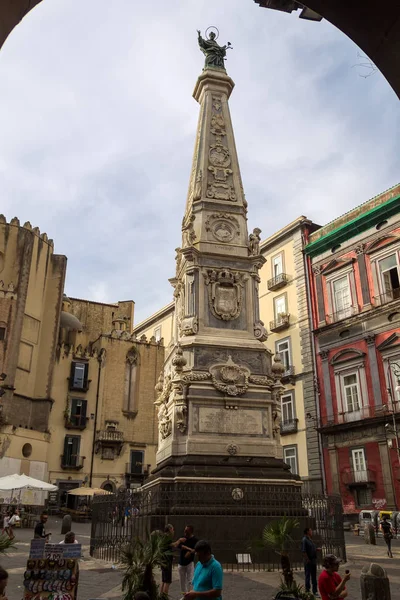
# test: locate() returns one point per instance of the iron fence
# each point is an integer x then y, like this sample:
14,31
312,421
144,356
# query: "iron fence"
230,518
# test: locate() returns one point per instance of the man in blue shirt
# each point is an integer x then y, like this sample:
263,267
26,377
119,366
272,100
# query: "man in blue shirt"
208,575
309,550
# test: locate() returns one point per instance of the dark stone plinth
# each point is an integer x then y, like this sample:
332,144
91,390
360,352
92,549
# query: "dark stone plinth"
223,467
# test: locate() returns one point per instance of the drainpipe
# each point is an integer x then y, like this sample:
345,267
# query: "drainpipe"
314,365
100,361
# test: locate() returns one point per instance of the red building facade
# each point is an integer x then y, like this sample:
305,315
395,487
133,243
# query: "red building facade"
354,274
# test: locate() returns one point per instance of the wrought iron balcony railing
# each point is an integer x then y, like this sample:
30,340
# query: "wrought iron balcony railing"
352,477
288,376
387,297
75,422
277,282
345,313
289,426
281,322
72,461
358,414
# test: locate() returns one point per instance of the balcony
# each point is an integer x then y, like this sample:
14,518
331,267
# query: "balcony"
277,282
288,376
364,412
75,422
110,436
72,462
136,473
345,313
387,297
289,426
352,478
282,322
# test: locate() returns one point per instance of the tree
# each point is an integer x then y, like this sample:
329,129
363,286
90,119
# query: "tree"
278,536
139,559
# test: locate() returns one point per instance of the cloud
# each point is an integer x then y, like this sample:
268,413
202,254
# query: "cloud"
98,124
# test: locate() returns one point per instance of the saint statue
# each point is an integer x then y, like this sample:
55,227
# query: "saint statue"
214,53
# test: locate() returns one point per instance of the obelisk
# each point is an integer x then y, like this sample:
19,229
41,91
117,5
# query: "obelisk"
219,394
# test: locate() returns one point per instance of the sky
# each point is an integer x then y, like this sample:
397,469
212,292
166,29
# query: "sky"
97,127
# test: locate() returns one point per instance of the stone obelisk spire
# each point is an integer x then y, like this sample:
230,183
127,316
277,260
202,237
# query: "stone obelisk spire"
219,395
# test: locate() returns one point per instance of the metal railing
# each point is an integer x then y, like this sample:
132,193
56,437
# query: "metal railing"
288,374
282,322
289,426
109,435
352,477
233,523
387,297
72,461
358,414
345,313
75,422
277,282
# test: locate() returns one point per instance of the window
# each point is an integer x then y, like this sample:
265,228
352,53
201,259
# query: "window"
341,296
359,465
288,408
280,307
351,394
71,450
2,333
282,347
390,280
363,496
136,462
157,334
78,412
79,376
290,458
277,265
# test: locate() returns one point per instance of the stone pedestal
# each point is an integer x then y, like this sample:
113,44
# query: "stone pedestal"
374,583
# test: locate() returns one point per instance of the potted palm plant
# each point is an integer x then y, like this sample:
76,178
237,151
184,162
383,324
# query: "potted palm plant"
277,535
138,561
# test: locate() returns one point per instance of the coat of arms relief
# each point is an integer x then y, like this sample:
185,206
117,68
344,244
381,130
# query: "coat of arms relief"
225,292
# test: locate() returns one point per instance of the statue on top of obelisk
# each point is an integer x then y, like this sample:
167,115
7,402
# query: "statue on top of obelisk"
214,53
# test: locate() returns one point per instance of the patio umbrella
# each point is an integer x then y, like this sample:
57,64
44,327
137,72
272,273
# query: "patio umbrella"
87,491
23,482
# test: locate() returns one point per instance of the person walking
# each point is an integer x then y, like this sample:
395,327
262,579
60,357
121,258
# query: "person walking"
40,529
386,528
208,575
330,584
309,550
186,559
166,571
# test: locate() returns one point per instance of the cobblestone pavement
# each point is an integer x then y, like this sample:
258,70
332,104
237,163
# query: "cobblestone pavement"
98,579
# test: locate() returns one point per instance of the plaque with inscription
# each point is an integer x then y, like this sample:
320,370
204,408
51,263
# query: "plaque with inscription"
231,422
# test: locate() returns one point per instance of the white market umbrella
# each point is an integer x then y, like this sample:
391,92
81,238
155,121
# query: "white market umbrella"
87,491
23,482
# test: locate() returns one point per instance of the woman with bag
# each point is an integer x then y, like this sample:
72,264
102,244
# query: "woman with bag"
386,528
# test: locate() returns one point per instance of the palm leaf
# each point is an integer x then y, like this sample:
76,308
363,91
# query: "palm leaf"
278,534
5,544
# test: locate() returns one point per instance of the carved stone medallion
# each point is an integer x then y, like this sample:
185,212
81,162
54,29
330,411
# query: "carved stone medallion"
223,227
230,378
225,292
219,155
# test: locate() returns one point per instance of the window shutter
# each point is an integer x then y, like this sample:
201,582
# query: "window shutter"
84,409
85,380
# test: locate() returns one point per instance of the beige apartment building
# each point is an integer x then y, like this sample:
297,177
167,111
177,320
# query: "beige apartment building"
76,386
284,311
